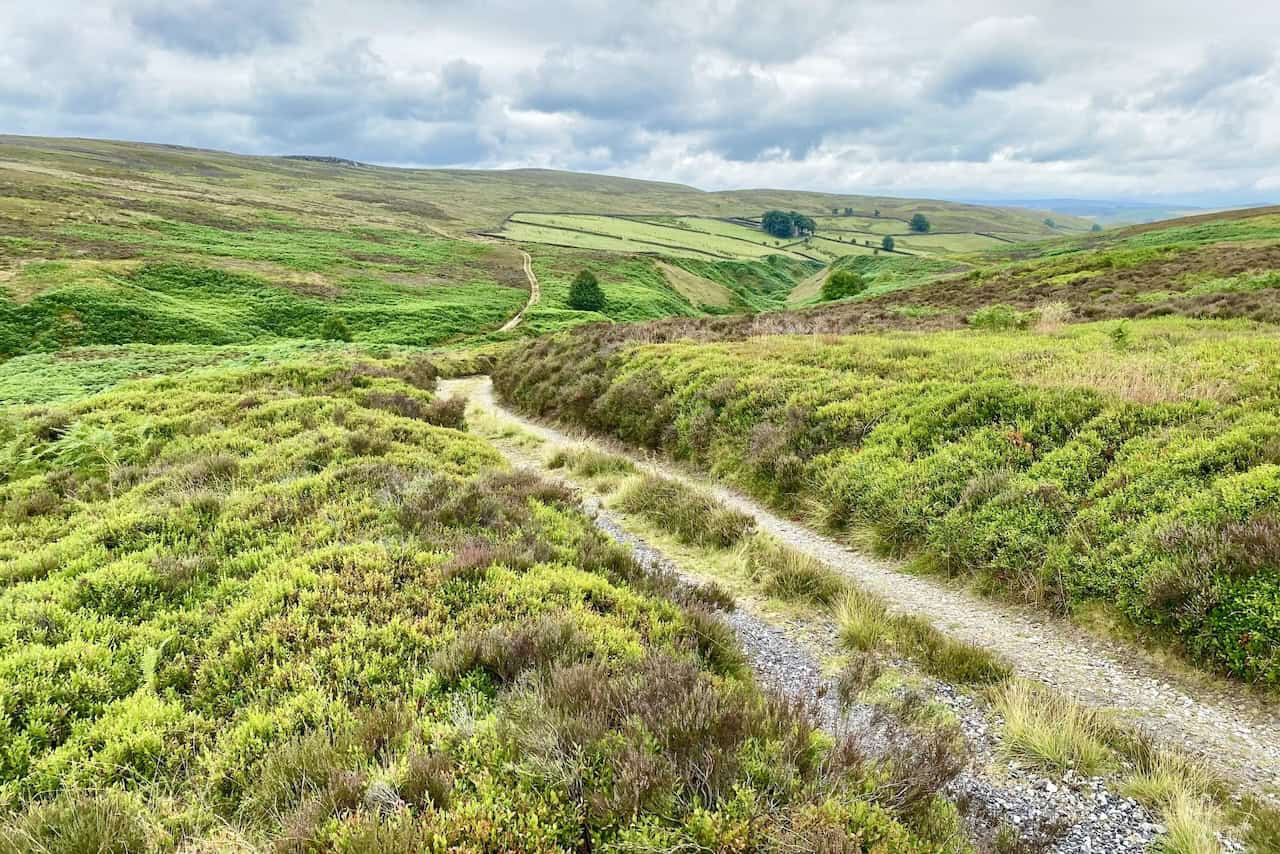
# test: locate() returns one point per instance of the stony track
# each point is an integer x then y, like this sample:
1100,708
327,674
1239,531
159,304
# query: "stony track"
787,657
1231,730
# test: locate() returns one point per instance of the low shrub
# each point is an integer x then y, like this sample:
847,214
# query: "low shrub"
1001,318
506,651
447,412
857,675
427,780
1049,468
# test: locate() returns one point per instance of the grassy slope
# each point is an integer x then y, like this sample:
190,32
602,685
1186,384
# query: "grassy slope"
1220,268
278,248
451,201
244,608
1130,464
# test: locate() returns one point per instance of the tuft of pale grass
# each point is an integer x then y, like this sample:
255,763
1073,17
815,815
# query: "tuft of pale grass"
1050,317
1140,378
863,621
585,461
1164,778
1050,731
789,574
1192,827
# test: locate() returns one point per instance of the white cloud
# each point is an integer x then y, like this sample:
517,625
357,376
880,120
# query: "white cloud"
1148,98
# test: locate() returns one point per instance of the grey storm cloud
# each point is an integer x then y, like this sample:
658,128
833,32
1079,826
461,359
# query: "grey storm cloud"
217,27
993,55
942,97
1222,66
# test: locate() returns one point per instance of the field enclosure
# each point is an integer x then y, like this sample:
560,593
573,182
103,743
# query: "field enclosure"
740,237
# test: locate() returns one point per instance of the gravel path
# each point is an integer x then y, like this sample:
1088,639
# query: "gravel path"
1087,816
1232,731
1082,814
535,294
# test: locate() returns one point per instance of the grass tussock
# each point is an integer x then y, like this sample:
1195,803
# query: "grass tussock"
863,620
865,624
585,461
1192,826
692,514
1050,731
789,574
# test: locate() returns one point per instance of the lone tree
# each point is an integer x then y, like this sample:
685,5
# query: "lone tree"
1097,226
920,223
887,243
1049,222
585,293
841,284
876,212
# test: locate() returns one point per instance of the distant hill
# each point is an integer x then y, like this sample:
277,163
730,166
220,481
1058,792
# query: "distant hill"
1107,211
458,200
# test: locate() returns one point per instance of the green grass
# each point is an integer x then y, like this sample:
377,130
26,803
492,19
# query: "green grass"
1135,467
243,605
63,375
692,514
726,241
884,273
1050,732
165,303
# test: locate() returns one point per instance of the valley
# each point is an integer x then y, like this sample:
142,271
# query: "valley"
333,519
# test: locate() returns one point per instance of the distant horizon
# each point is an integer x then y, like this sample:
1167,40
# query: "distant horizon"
1173,103
993,200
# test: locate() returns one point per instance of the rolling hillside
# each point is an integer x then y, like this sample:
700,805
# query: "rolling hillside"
1039,383
267,582
105,243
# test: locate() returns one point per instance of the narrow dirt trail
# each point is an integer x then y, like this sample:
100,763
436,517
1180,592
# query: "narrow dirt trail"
535,294
1230,730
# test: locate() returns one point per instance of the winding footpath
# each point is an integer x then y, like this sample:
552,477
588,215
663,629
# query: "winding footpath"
535,294
1230,729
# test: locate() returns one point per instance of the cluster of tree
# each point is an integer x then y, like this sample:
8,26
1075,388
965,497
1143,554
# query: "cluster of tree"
585,293
788,224
920,223
887,243
841,284
847,212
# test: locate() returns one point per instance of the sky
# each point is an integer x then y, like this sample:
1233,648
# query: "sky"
1158,100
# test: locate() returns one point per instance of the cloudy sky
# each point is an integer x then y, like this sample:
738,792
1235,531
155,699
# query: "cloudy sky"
1154,99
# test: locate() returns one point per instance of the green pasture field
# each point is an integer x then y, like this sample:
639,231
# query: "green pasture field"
583,230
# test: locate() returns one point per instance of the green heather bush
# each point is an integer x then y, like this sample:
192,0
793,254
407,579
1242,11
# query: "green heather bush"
275,607
1000,318
1051,467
